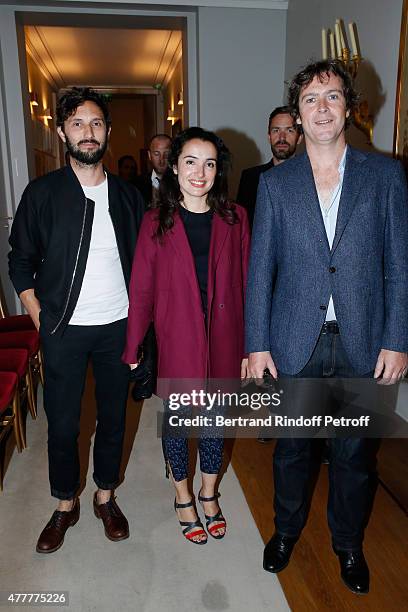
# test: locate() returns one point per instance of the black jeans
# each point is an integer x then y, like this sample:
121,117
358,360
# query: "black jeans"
351,468
65,365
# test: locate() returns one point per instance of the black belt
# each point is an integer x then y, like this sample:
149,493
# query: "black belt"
330,327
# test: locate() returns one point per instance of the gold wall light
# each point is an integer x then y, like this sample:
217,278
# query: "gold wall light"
33,98
47,114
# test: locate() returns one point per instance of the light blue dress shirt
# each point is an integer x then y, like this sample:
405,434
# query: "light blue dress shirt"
329,215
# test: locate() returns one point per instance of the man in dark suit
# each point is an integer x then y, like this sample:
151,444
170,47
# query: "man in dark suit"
283,136
328,297
148,184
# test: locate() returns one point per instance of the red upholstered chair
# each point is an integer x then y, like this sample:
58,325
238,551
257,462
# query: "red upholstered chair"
17,360
10,416
30,341
20,323
16,323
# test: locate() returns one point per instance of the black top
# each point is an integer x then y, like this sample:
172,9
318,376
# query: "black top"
198,230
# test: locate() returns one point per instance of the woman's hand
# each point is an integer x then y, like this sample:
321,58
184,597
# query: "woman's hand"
133,366
244,369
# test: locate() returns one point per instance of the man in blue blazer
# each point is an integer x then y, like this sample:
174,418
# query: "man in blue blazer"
328,297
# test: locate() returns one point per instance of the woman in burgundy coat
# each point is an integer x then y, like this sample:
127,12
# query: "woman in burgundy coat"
189,276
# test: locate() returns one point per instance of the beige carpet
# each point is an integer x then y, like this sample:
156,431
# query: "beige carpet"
154,570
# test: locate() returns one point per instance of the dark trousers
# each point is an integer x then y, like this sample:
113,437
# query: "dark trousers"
351,467
66,360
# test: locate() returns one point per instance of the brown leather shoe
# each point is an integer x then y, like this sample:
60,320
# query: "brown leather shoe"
52,536
114,521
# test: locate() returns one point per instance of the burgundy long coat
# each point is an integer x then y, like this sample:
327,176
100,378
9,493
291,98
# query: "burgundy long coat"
164,288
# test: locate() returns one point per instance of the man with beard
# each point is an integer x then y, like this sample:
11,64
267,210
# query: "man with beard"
72,248
283,136
148,184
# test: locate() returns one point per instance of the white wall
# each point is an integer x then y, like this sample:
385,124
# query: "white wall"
241,55
378,23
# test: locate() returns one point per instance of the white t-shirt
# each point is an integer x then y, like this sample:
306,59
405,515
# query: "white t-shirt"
103,298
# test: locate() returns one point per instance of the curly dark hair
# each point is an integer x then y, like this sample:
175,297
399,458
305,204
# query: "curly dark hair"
170,196
321,69
71,98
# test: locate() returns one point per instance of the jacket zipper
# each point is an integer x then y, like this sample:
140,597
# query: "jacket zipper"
75,268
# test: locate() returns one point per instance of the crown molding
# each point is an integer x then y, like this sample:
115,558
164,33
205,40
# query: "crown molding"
53,78
243,4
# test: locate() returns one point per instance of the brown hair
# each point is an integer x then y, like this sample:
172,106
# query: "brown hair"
321,69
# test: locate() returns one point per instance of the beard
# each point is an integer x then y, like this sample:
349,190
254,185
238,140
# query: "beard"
88,158
284,153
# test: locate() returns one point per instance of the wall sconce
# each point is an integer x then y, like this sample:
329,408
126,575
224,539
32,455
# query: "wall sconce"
33,98
180,101
339,49
171,115
47,114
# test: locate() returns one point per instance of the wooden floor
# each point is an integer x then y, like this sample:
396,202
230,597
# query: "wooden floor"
393,469
312,581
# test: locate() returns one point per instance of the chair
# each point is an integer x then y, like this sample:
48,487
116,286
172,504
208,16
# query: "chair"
17,360
30,341
17,323
10,401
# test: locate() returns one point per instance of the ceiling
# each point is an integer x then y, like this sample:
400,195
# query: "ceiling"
104,57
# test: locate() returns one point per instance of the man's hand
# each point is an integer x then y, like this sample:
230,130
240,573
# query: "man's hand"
258,362
392,365
32,306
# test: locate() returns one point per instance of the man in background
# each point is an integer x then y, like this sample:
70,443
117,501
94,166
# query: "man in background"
284,136
127,168
148,184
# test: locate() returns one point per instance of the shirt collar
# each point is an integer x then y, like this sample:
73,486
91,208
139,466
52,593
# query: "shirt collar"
342,163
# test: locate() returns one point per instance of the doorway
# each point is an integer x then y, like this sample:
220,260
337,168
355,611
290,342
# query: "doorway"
139,71
108,49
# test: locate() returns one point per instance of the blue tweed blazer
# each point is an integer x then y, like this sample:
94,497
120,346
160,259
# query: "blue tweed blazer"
293,271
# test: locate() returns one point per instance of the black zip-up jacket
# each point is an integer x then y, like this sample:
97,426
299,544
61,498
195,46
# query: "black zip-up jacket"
50,240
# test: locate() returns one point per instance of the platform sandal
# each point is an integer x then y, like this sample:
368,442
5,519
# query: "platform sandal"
216,518
188,526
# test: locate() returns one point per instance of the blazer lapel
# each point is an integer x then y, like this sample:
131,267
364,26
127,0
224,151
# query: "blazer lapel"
311,200
352,182
179,241
219,232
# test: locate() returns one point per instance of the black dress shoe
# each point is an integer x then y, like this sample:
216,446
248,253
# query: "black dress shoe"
277,553
264,440
354,570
